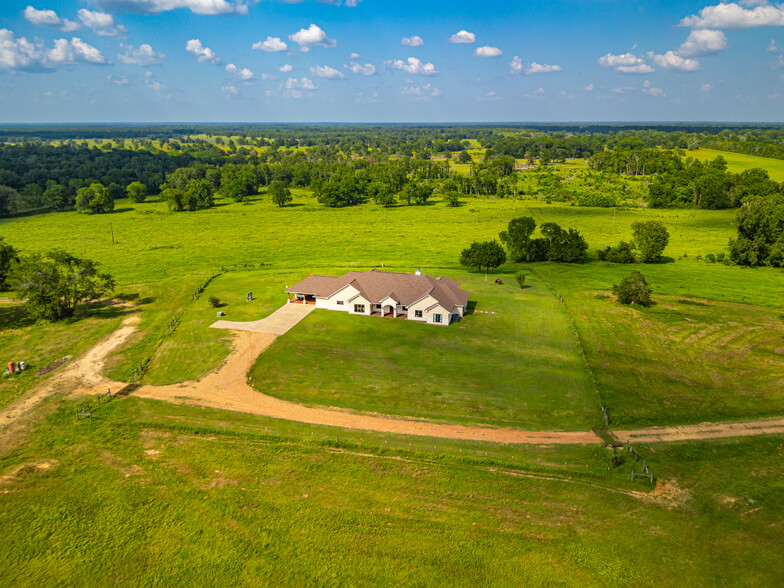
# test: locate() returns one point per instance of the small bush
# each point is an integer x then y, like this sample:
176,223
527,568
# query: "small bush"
633,289
710,258
720,257
214,301
520,277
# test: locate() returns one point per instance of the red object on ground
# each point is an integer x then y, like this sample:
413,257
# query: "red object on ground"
11,367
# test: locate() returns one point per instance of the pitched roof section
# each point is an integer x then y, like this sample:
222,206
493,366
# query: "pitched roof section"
375,285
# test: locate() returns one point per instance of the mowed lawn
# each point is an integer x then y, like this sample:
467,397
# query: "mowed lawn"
739,162
710,348
513,362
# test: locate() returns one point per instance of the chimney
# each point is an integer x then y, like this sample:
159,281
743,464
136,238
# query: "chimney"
418,272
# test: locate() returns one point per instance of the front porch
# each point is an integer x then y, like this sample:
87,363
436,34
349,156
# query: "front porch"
390,314
302,299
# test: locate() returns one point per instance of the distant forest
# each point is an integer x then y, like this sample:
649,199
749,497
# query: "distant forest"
44,168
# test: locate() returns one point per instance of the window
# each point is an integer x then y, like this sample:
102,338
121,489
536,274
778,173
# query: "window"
417,314
437,318
340,303
359,308
405,307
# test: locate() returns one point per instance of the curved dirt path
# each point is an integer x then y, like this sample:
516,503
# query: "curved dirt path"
86,371
228,389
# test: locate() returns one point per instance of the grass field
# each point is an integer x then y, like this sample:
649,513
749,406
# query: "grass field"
738,162
513,362
711,348
136,498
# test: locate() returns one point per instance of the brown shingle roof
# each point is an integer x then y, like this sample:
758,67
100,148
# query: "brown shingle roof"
375,285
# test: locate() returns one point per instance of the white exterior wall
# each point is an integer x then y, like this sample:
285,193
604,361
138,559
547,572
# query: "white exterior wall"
445,316
331,302
422,305
359,300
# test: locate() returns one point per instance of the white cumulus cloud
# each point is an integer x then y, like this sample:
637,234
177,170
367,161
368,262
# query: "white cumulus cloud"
270,45
324,71
242,75
296,88
143,55
286,68
101,23
733,16
366,70
415,67
150,82
74,51
487,51
49,18
421,92
413,41
538,68
463,37
203,54
205,7
671,60
313,36
648,88
19,53
516,65
703,42
627,63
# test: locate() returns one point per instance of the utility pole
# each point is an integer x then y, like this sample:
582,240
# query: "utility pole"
111,226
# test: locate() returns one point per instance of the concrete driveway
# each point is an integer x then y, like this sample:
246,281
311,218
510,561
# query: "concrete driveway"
278,323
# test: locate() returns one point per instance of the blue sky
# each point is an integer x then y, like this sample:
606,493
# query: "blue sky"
390,61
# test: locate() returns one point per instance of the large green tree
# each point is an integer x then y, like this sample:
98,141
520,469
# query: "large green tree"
760,240
56,284
94,198
483,254
517,238
650,240
8,256
136,191
57,196
281,195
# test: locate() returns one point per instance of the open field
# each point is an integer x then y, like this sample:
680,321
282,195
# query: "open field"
738,162
513,362
161,258
224,501
711,347
153,244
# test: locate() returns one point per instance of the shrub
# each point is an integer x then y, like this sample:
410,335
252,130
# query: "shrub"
633,289
720,257
710,258
214,301
520,277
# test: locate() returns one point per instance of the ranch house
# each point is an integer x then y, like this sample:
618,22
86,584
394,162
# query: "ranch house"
416,297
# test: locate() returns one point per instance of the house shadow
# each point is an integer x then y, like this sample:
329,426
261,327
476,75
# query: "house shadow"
470,307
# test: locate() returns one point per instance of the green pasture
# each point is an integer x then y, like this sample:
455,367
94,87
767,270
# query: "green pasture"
739,162
137,498
710,348
153,244
513,362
